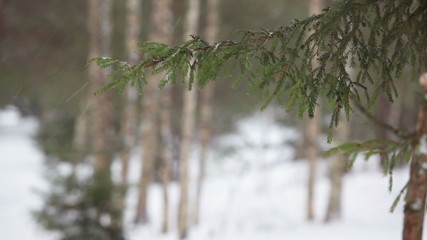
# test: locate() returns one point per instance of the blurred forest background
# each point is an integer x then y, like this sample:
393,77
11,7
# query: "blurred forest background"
44,50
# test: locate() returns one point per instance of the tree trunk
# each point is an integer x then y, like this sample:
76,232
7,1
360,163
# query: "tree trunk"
100,28
417,186
337,169
188,119
82,127
103,130
166,138
165,154
312,132
212,24
161,18
165,176
165,151
149,137
129,116
312,153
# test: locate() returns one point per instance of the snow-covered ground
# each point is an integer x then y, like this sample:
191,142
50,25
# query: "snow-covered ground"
254,192
21,175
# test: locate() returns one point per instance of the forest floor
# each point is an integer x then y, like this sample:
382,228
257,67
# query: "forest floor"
254,192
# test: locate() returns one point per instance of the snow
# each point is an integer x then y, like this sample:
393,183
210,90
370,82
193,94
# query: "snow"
254,192
270,204
9,117
20,176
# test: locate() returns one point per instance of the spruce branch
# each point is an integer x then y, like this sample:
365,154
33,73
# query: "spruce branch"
368,35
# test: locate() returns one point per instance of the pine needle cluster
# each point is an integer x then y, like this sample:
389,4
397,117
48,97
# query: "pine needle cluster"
370,36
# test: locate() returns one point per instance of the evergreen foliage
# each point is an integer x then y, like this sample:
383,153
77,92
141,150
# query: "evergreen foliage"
392,153
79,204
77,208
54,139
368,35
376,38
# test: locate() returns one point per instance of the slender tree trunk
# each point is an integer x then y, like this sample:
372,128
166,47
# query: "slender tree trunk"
100,22
417,186
103,130
166,139
149,136
212,24
188,119
165,172
82,127
165,153
312,153
337,169
165,176
160,32
129,117
312,132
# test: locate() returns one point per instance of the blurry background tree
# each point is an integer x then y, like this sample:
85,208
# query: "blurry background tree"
44,48
130,110
161,31
212,24
312,130
366,31
188,125
93,197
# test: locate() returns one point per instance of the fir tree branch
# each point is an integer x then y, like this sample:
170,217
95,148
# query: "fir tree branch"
409,32
368,35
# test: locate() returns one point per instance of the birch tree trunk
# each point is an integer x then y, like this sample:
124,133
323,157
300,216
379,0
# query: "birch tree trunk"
81,138
129,116
337,165
165,152
100,28
312,153
103,130
312,132
336,171
212,24
166,137
417,186
160,32
188,119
